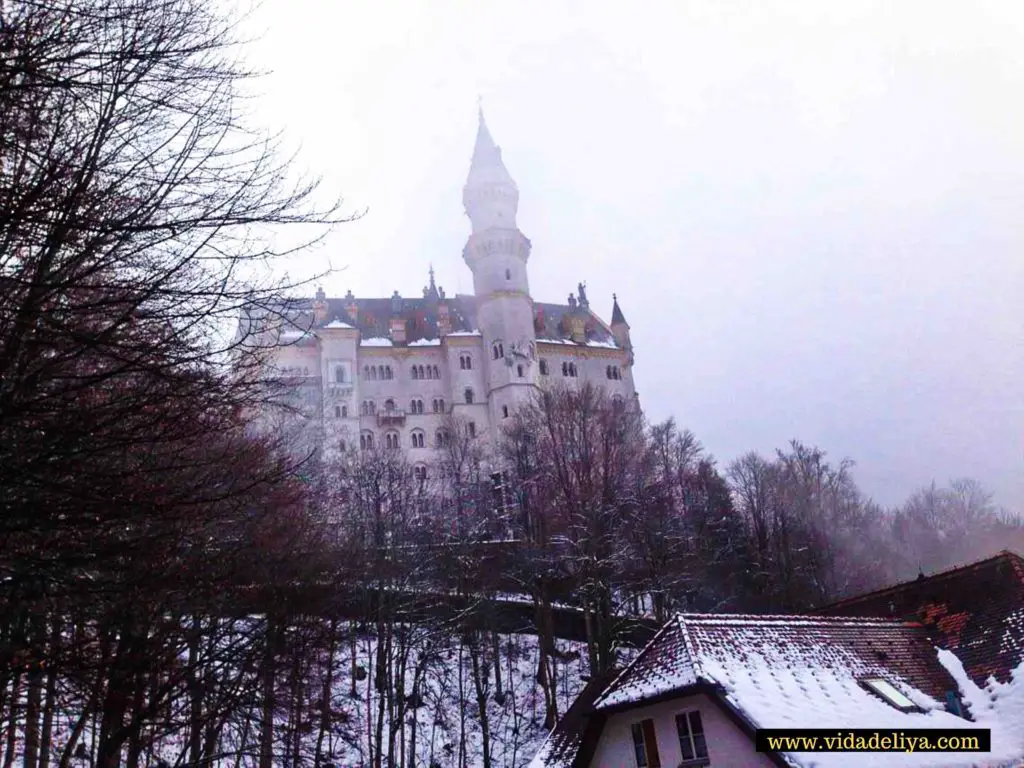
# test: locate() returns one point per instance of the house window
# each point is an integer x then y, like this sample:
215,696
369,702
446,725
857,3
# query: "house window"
339,374
543,367
569,369
472,428
887,691
337,411
418,439
692,743
645,745
504,411
469,395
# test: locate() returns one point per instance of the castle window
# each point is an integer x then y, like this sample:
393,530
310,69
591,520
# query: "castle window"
389,372
618,403
391,440
418,438
420,472
519,370
339,374
471,426
498,350
366,441
508,274
344,411
415,372
416,405
469,395
341,446
465,362
437,372
421,372
543,367
441,438
569,369
373,373
565,368
438,405
504,411
389,405
337,411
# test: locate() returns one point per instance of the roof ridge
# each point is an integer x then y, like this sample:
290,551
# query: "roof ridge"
787,618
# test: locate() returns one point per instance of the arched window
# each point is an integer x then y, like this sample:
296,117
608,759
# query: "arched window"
441,438
508,274
341,446
420,472
373,372
618,403
437,372
339,374
572,370
344,411
337,411
498,350
391,440
415,372
366,441
419,370
565,368
519,370
390,373
468,395
543,367
504,411
389,405
471,426
366,372
418,438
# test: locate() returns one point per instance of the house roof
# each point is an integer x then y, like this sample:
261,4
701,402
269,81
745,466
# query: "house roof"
975,610
793,672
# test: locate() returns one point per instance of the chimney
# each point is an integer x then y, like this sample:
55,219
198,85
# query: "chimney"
444,320
320,307
352,308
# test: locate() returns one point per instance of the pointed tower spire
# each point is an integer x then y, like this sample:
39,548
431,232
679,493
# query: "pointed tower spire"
617,317
490,196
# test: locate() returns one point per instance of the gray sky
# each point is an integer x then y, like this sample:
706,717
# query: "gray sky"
812,213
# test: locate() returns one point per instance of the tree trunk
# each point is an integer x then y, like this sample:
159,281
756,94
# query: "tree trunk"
50,696
269,700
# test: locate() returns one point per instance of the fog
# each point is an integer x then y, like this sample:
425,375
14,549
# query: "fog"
811,212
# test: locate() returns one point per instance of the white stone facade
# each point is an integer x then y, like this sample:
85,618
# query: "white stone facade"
389,371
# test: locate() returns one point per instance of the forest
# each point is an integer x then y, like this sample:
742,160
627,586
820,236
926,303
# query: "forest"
177,588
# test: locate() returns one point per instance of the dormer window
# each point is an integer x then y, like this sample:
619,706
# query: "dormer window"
889,693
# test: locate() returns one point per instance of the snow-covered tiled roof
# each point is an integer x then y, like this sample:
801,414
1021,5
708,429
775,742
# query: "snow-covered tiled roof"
336,323
804,672
376,341
975,610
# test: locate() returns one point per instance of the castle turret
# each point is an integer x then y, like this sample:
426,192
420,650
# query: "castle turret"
497,253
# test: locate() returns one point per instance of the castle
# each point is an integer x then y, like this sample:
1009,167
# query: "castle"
389,372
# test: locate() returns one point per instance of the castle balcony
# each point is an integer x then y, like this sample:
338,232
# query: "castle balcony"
394,417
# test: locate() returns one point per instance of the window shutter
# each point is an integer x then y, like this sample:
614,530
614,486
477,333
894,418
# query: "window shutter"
651,744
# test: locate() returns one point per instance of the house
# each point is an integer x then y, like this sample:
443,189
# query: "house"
976,611
698,692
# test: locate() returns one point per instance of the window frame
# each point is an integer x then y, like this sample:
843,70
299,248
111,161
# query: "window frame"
696,759
645,748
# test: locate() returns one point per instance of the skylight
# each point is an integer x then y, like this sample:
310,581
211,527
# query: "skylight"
888,691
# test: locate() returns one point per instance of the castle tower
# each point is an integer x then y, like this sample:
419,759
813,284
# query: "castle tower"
497,253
